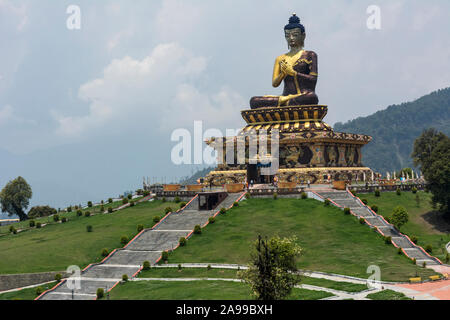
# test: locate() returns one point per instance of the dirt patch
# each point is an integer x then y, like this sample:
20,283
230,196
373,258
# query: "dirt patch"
438,221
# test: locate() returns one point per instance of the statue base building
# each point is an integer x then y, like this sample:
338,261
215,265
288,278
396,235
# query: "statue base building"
309,149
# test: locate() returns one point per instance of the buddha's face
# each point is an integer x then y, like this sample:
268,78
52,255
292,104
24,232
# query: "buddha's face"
295,38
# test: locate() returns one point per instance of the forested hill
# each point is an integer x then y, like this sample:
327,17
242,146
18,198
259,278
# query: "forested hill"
395,129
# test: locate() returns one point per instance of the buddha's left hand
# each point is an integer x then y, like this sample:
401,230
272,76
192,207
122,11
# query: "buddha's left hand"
287,69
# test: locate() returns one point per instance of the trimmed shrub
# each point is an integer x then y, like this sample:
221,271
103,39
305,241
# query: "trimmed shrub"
87,214
146,265
105,252
102,202
362,220
140,227
346,210
377,193
182,205
165,256
132,203
197,229
146,193
56,218
69,209
248,195
414,190
275,196
32,223
41,211
124,277
177,199
208,267
399,251
414,261
64,220
89,228
304,195
236,204
374,208
13,230
110,209
79,213
156,219
102,208
58,277
39,291
364,201
424,264
38,225
429,248
100,293
388,240
223,210
89,204
167,210
163,199
211,219
414,239
182,241
130,196
110,200
327,202
179,267
124,200
124,240
398,192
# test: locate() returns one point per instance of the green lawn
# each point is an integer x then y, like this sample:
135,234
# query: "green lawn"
232,274
198,290
58,246
26,294
331,241
387,295
417,225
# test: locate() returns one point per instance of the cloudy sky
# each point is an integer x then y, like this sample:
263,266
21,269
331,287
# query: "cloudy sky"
84,114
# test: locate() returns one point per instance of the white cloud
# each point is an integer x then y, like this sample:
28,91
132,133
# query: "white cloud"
16,12
8,117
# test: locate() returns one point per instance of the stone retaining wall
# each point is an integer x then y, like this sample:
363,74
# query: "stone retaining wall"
14,281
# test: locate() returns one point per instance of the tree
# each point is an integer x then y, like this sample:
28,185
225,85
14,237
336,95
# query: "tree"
399,217
15,198
271,273
41,211
424,146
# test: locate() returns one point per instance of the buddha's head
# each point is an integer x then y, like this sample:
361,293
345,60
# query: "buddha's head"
295,32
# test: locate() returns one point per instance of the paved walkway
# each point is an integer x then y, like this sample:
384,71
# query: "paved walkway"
146,246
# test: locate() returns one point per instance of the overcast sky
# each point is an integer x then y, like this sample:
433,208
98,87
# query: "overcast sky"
84,114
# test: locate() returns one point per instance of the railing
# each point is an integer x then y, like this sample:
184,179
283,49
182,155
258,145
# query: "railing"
360,188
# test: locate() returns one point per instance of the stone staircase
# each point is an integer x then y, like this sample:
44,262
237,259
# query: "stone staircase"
345,199
147,246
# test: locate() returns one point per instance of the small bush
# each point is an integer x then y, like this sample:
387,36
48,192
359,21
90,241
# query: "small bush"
179,267
38,225
132,203
424,264
124,240
346,210
414,239
13,230
87,214
182,205
208,267
167,210
362,220
110,210
236,204
248,195
377,193
58,277
146,265
130,196
197,229
364,201
79,213
56,218
211,219
163,199
399,251
140,227
89,204
388,240
374,208
69,209
32,224
275,196
429,248
100,293
146,193
110,200
89,228
165,256
223,210
398,192
414,261
414,190
177,199
156,219
105,252
102,208
124,200
64,220
124,277
182,241
304,195
39,291
327,202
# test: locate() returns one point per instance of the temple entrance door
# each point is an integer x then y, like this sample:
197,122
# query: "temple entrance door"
252,173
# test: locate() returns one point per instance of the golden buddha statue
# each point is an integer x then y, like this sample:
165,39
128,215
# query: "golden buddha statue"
297,69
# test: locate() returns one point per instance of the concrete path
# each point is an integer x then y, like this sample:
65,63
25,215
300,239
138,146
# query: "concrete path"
146,246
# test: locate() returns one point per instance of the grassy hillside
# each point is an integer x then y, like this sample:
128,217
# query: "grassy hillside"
57,246
331,241
395,129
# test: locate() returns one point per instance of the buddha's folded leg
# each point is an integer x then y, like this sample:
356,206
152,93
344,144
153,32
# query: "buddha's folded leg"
304,99
261,102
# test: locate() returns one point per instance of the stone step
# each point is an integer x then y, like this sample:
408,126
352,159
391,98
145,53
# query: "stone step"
107,271
389,231
375,221
123,257
184,220
87,286
417,253
67,296
157,240
363,212
402,242
429,262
